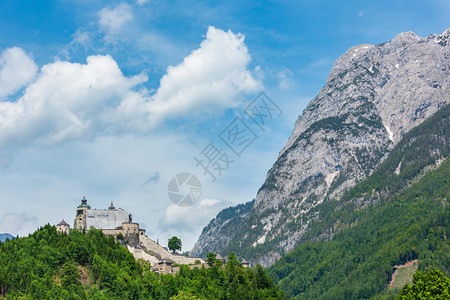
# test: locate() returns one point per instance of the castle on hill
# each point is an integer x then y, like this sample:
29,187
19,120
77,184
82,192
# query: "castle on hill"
118,222
112,221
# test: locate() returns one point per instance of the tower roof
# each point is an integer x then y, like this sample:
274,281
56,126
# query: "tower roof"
84,203
111,206
63,223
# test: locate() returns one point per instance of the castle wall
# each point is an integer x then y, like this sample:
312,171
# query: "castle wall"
129,227
63,229
159,251
106,219
113,231
129,230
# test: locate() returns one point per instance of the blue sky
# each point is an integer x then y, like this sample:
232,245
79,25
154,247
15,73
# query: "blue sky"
111,99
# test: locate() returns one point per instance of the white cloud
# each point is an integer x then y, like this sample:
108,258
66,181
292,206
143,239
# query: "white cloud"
18,224
193,218
70,101
16,70
285,79
66,101
81,37
111,20
208,80
259,73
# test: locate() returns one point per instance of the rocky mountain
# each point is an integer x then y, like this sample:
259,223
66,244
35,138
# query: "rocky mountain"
373,96
216,236
397,216
5,236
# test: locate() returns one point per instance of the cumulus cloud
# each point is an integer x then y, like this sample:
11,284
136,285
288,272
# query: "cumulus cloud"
16,70
70,101
18,224
112,19
208,79
188,219
66,101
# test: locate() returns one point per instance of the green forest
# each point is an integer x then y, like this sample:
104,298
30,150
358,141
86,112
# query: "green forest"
90,265
390,218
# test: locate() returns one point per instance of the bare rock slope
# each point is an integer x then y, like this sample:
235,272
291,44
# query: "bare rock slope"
373,96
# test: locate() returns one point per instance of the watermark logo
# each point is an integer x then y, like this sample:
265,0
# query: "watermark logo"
237,136
217,156
184,189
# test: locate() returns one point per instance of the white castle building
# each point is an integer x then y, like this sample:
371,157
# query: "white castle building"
117,221
112,221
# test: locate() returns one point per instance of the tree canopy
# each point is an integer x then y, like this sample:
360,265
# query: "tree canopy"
90,265
431,285
174,244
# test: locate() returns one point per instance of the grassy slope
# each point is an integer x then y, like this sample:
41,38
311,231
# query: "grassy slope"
402,275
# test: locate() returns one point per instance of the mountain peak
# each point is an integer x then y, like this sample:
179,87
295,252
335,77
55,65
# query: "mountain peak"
5,236
443,38
408,36
446,32
375,94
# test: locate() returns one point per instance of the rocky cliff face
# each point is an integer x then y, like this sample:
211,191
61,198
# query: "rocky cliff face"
217,235
373,96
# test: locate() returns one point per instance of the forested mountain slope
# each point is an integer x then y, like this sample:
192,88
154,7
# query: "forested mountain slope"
399,213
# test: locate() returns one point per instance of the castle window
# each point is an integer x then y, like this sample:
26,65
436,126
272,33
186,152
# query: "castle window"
80,212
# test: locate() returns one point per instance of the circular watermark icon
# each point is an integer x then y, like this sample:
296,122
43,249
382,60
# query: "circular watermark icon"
184,189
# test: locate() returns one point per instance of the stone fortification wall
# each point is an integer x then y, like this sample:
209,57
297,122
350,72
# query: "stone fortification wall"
112,231
141,254
129,230
162,253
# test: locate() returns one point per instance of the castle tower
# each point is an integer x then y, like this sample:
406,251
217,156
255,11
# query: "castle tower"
80,217
163,267
245,263
63,227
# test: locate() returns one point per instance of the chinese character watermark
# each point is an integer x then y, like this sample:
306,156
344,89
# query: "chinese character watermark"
238,135
262,109
213,161
185,188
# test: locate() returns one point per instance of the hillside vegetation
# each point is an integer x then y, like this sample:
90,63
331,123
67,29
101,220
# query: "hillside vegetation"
398,214
50,265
